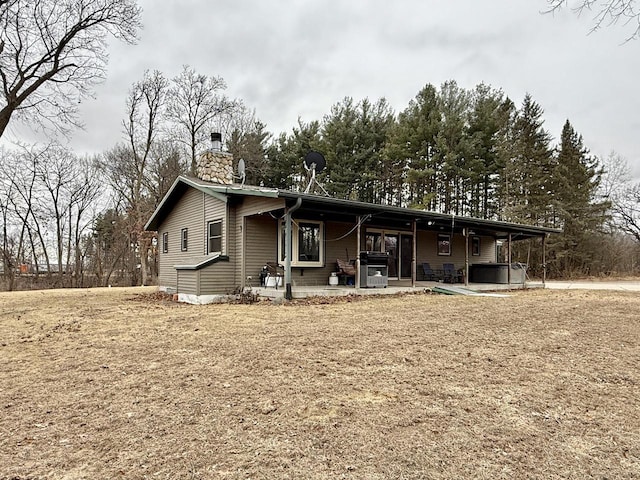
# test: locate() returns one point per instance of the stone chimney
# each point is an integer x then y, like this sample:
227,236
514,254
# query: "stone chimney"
215,165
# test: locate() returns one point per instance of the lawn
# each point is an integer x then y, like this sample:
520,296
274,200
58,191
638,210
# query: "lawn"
122,383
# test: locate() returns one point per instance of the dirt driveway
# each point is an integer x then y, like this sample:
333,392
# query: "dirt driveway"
620,285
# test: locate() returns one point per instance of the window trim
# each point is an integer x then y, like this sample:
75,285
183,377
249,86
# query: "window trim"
165,242
184,239
295,232
440,243
212,237
476,246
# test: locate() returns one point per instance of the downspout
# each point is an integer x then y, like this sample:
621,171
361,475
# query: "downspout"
288,250
414,254
358,240
544,260
466,256
509,261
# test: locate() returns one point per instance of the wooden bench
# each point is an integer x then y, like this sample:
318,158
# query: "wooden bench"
345,270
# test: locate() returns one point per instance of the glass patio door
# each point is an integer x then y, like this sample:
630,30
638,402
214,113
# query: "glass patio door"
406,255
398,245
391,247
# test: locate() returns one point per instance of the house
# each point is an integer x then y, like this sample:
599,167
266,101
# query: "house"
215,237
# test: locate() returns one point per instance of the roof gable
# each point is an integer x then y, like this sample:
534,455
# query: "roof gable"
218,191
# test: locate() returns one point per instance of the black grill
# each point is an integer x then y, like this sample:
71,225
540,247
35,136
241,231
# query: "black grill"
374,269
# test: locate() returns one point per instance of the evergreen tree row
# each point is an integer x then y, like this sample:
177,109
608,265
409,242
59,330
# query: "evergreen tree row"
452,150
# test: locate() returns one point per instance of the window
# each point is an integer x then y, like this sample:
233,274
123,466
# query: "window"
444,244
475,246
214,236
184,239
165,242
307,244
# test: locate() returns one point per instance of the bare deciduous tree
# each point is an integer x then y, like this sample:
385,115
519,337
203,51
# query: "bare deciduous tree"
127,166
194,103
624,195
605,12
52,52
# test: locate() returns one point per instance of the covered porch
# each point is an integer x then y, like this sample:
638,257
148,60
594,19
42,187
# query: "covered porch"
414,240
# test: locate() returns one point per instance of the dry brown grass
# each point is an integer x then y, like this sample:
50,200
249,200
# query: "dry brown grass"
120,384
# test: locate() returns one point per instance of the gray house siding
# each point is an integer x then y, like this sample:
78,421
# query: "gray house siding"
191,211
187,213
214,209
428,251
217,279
187,281
255,236
261,233
335,247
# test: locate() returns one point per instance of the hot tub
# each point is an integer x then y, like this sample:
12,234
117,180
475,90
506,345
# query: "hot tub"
496,273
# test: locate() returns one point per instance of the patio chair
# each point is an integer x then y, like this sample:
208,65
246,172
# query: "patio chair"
450,274
345,270
428,272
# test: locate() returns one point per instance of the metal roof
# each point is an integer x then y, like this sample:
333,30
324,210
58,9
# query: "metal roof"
337,208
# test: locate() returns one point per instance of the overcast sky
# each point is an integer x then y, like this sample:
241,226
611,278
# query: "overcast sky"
291,59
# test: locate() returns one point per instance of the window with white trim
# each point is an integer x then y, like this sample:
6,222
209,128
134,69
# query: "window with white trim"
307,244
214,236
165,242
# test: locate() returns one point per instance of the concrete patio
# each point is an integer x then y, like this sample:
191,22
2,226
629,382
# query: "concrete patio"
395,287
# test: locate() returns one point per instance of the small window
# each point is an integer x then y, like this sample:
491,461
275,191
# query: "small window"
184,239
214,236
475,246
444,244
165,242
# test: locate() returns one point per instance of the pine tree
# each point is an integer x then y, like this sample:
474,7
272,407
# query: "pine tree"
488,125
285,156
452,148
526,178
577,210
410,153
249,144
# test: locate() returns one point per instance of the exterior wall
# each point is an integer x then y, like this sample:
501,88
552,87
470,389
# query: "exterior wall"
487,251
187,281
333,249
254,236
261,237
428,251
214,209
217,279
192,211
187,213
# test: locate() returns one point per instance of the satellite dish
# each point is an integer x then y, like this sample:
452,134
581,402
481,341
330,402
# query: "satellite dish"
314,161
242,173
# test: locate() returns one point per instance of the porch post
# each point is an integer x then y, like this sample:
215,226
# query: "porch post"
466,257
414,254
287,257
509,261
357,282
544,259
